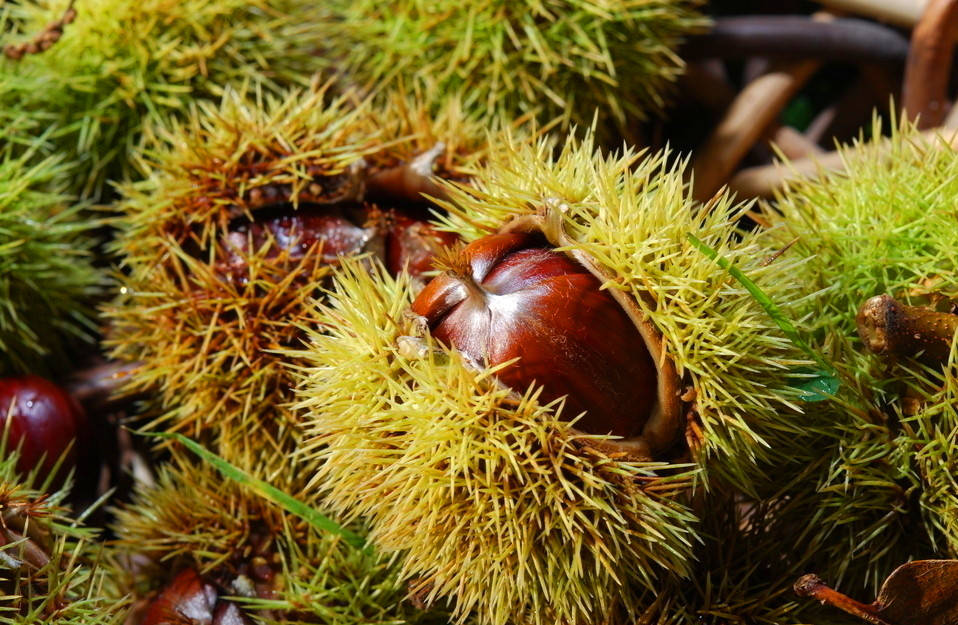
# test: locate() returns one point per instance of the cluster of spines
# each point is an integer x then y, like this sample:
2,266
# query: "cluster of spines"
207,343
879,493
48,281
278,567
493,501
633,217
53,571
120,66
553,58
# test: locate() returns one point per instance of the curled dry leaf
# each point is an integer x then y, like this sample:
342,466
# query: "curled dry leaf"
924,592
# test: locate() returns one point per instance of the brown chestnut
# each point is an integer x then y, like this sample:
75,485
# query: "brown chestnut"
512,296
44,421
190,599
412,244
293,233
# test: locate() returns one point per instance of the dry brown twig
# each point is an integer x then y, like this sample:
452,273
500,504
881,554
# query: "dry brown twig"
897,12
764,180
925,91
755,107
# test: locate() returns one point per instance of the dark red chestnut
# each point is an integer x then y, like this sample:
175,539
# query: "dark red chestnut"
514,297
190,599
294,232
44,421
412,244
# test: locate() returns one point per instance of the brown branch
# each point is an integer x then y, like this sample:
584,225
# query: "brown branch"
97,388
793,144
43,40
897,12
746,120
798,37
706,82
925,90
842,119
765,180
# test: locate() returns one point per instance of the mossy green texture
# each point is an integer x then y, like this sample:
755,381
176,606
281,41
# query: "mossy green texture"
492,499
48,282
883,489
52,569
122,63
551,58
280,569
206,337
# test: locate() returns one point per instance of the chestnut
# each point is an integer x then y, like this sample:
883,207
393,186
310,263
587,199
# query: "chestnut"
412,244
190,599
44,421
511,296
292,233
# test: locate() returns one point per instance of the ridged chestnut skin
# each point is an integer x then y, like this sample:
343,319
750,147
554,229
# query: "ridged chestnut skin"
514,297
44,419
189,599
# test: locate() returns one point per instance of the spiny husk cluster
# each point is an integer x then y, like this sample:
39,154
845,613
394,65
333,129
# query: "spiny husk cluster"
883,490
121,63
280,569
549,58
493,499
47,278
52,568
632,216
208,341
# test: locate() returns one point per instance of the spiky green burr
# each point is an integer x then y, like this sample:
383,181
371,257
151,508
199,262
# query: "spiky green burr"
879,483
491,498
48,282
52,567
279,569
120,64
205,318
551,59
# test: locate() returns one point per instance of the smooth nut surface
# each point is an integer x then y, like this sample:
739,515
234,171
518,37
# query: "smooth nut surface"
514,297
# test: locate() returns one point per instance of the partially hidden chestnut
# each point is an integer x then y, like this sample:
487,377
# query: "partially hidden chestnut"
292,234
190,599
511,296
43,421
412,244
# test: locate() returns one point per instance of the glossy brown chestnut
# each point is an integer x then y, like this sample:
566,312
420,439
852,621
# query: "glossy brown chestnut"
514,297
294,232
412,244
44,421
189,599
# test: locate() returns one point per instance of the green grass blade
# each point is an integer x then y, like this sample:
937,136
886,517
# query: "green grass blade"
816,385
287,502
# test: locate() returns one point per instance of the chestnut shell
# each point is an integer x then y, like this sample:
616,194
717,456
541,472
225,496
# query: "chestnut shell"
513,296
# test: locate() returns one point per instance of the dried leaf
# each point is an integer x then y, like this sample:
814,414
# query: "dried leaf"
918,593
